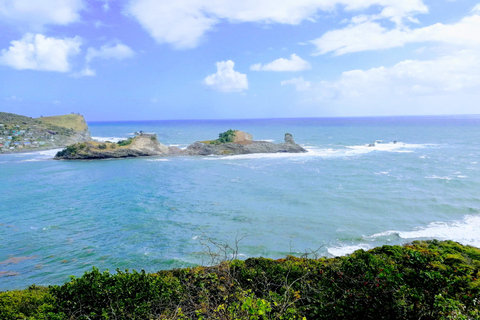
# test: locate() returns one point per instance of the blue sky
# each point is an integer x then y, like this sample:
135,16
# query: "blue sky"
224,59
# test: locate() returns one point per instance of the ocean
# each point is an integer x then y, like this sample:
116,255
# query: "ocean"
61,218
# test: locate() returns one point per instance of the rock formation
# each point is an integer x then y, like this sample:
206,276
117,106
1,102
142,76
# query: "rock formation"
140,146
243,146
147,145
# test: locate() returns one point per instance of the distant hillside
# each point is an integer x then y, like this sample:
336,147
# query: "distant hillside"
20,133
12,118
69,121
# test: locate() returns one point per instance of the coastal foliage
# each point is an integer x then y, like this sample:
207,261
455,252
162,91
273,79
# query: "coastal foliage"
227,136
422,280
70,150
125,142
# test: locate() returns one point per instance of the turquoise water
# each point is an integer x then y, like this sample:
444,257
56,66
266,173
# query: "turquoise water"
60,218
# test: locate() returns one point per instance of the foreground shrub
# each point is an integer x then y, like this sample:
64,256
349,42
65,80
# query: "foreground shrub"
423,280
34,303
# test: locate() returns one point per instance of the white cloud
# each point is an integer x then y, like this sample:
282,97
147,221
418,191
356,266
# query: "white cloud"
371,36
226,79
37,52
184,23
476,9
299,83
294,64
85,72
35,13
118,52
402,87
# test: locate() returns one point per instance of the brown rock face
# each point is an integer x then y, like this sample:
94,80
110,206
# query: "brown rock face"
241,136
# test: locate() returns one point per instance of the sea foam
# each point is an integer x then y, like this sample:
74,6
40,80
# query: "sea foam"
464,231
111,139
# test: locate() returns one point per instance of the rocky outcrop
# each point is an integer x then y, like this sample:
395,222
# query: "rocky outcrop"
141,146
147,145
244,147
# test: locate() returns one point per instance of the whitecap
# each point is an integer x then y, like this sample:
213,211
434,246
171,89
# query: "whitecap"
156,160
464,231
111,139
438,177
344,250
50,153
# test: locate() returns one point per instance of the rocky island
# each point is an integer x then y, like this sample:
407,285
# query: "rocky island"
231,142
20,133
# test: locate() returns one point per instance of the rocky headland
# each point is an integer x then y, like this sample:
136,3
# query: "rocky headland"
20,133
242,143
231,142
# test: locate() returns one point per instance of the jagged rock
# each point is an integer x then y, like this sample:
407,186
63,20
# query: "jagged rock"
244,147
289,138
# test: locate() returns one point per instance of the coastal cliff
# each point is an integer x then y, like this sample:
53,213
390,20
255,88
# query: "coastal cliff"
231,142
20,133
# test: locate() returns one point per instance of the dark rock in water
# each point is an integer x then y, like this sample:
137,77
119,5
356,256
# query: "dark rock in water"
289,138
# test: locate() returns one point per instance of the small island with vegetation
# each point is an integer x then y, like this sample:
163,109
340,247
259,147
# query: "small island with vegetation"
429,280
231,142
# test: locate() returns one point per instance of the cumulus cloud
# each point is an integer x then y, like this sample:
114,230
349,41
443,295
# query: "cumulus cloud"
184,23
294,64
36,14
372,36
226,79
38,52
389,88
117,52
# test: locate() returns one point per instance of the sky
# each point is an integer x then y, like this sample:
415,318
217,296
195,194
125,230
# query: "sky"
227,59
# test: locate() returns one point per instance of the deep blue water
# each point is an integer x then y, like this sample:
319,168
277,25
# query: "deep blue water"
60,218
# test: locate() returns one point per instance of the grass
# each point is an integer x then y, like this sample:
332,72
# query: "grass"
69,121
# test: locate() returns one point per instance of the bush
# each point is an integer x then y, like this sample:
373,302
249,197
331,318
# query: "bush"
35,303
70,150
423,280
126,142
227,136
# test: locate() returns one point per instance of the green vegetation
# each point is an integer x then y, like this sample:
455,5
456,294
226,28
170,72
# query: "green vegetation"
227,136
424,280
70,150
224,137
126,142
